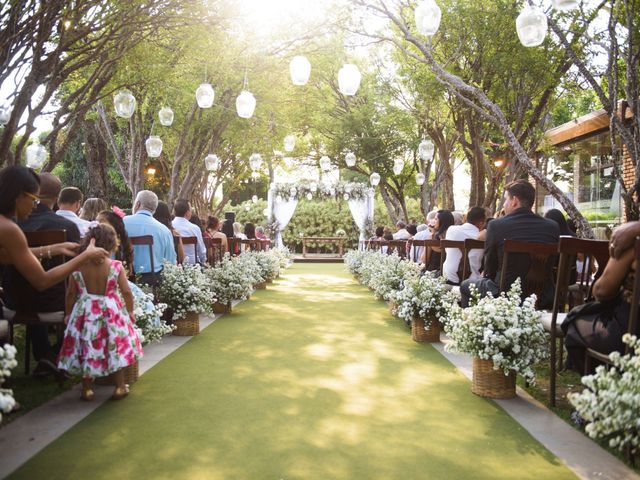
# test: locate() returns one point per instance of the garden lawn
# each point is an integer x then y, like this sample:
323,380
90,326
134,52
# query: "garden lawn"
312,378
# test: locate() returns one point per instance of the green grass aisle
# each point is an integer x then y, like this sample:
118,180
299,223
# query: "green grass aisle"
311,379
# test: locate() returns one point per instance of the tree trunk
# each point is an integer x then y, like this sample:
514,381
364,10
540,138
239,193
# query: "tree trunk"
96,153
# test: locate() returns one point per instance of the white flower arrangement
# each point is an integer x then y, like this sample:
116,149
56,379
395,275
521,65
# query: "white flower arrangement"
611,402
249,267
7,362
502,329
284,256
148,317
389,275
184,288
353,260
425,297
341,233
269,264
227,282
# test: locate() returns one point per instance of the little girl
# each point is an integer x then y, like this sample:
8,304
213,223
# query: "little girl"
100,339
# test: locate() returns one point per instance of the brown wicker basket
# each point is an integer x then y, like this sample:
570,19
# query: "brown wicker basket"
131,375
430,334
269,280
491,383
187,326
392,307
222,307
260,286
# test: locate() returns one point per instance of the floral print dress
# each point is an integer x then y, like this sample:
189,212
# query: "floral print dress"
100,338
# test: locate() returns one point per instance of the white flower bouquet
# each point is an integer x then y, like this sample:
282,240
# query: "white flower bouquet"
504,330
389,275
426,297
184,288
250,268
7,362
284,256
353,260
149,318
611,402
269,264
227,282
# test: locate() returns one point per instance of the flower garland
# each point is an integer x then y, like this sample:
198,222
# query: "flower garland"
322,191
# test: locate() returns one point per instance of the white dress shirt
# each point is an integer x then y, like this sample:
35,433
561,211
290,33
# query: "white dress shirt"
187,229
416,252
402,234
83,225
454,255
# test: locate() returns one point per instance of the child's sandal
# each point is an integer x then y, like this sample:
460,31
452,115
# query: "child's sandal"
120,393
87,394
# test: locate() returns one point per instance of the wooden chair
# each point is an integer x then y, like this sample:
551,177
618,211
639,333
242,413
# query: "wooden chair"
413,247
459,244
593,251
252,245
470,244
266,244
144,240
429,245
399,246
214,250
375,244
192,241
38,239
234,246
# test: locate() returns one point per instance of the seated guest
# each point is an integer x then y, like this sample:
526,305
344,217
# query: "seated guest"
557,216
163,215
378,234
213,231
458,218
475,222
431,256
401,233
237,231
91,208
519,223
196,221
260,233
69,202
21,296
142,223
412,228
228,230
182,214
422,233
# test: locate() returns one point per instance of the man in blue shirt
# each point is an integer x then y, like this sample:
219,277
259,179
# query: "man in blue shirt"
142,223
193,253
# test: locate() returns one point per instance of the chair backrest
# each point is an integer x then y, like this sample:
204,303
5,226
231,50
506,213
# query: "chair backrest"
470,244
144,240
214,250
266,244
254,245
46,237
635,295
234,246
374,244
459,244
400,247
540,257
192,241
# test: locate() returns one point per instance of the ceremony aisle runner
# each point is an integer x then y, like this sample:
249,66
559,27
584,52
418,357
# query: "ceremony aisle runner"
310,379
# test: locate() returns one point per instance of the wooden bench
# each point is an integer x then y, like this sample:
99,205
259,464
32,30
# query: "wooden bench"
323,240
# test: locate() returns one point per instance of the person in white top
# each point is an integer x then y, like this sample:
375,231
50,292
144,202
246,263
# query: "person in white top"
182,214
69,202
401,233
423,234
476,218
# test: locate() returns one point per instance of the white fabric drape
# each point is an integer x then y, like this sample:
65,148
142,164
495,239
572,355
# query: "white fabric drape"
282,212
361,210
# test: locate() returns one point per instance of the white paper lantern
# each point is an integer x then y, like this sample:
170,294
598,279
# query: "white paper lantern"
255,161
531,26
309,196
398,165
313,187
300,69
350,159
166,116
153,146
565,4
245,104
36,155
5,114
426,149
428,16
124,103
420,179
293,191
289,143
325,163
205,95
346,196
254,199
374,179
212,162
349,79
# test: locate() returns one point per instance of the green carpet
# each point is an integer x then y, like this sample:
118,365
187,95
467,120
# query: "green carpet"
310,379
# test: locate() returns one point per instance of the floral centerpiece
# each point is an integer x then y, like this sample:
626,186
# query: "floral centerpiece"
7,362
148,317
502,333
611,402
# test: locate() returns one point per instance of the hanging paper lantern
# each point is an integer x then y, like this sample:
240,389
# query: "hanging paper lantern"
153,146
309,196
255,161
531,26
350,159
124,103
166,116
205,95
325,163
5,115
313,187
346,196
300,69
398,165
245,104
374,179
254,198
428,16
420,179
212,162
565,4
293,191
289,143
349,79
426,149
36,155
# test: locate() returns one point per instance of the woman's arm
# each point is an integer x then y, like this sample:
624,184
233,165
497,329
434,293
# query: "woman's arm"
609,283
125,291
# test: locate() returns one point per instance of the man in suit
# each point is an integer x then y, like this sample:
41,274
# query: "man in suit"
519,223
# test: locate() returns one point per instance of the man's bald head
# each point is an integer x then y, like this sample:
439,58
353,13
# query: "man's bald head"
50,187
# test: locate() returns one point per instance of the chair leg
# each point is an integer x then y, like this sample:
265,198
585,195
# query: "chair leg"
27,350
552,374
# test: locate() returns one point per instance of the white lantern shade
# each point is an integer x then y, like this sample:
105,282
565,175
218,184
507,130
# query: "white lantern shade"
254,198
346,196
374,179
153,146
212,162
255,161
289,143
309,196
428,16
124,103
300,70
205,95
325,163
398,165
565,4
245,104
5,115
166,116
426,149
531,26
36,155
349,79
420,179
350,159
